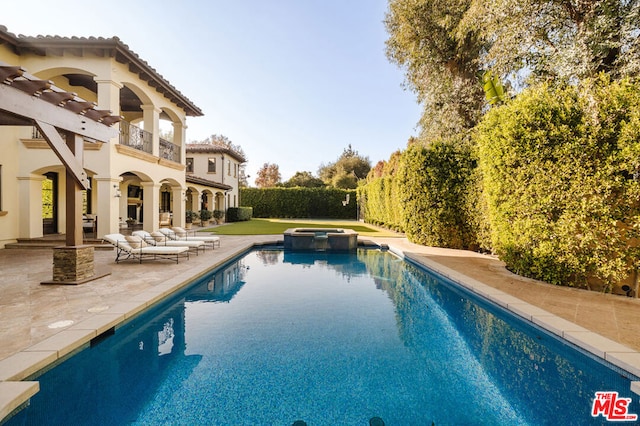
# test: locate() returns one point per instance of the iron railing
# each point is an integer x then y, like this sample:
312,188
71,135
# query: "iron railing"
135,137
169,151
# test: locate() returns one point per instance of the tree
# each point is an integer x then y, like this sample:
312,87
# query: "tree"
268,176
346,171
446,48
224,142
304,179
441,63
557,38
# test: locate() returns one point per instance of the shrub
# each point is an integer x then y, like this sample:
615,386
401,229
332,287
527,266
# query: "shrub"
559,169
300,202
205,215
433,183
239,214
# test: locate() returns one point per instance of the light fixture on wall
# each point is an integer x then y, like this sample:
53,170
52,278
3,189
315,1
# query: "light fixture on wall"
118,194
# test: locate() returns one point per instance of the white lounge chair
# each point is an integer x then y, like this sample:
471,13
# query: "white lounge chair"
161,240
179,234
136,248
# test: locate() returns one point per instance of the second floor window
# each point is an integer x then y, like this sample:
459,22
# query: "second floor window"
189,165
212,165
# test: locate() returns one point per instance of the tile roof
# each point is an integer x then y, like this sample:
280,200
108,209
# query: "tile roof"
207,182
214,149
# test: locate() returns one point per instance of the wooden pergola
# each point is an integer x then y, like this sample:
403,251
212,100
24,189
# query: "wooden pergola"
65,121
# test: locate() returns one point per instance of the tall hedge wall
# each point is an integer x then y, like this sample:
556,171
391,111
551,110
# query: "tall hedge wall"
300,202
561,169
433,183
380,202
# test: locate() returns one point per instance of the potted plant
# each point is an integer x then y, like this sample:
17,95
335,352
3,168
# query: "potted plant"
189,217
205,216
131,222
218,215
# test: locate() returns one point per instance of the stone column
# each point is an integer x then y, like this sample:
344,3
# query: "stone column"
30,202
151,119
179,206
73,263
151,203
108,204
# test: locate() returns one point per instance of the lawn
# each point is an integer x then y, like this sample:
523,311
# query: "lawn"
278,226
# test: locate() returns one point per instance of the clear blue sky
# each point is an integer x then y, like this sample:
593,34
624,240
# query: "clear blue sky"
293,82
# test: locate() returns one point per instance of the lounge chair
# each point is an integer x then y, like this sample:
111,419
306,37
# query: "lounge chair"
180,234
161,240
131,247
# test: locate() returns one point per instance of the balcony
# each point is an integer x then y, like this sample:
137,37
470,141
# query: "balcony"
137,138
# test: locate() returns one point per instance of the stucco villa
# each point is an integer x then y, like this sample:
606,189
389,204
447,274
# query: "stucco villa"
213,174
137,175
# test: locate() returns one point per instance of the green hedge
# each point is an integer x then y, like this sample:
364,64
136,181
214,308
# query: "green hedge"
434,184
239,214
300,202
560,172
379,203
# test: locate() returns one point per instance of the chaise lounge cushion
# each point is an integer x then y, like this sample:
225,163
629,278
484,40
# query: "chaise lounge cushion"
153,239
158,236
177,233
135,241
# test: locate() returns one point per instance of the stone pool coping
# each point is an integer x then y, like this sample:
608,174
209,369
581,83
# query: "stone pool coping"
15,370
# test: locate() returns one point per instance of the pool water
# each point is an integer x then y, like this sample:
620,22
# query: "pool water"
331,339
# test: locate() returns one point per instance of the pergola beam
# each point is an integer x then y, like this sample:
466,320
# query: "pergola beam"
71,160
18,102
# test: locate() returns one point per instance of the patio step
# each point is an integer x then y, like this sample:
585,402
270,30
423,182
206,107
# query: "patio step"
50,242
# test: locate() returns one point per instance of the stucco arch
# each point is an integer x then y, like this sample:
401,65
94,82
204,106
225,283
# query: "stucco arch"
172,115
58,168
53,72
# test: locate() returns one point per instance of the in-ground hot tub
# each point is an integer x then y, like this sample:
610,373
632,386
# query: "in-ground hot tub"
320,239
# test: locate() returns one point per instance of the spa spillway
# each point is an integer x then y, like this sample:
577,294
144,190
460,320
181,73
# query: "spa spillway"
320,239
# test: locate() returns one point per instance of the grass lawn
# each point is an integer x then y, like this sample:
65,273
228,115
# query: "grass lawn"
278,226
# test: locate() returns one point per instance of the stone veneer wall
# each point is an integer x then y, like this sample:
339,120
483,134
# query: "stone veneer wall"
73,263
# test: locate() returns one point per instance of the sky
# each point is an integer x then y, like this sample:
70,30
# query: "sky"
292,82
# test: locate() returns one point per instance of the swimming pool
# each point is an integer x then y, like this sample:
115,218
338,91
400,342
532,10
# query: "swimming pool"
273,337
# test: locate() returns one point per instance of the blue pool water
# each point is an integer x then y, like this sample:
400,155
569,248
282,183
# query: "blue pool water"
331,339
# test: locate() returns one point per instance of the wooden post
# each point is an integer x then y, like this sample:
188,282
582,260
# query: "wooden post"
75,143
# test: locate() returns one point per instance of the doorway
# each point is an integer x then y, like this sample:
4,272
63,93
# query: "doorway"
50,203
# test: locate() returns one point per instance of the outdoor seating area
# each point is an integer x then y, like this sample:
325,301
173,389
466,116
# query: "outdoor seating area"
158,239
181,234
133,247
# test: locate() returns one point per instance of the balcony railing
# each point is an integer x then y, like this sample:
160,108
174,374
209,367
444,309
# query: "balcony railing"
169,151
135,137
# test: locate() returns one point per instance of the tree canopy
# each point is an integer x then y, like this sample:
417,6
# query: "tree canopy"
441,64
305,180
223,141
446,48
346,171
268,176
561,39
